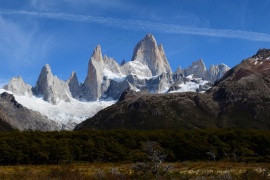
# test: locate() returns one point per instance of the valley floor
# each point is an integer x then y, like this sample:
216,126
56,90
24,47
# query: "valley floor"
181,170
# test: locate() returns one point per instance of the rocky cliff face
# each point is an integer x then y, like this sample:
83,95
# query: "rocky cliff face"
19,87
216,72
51,88
149,53
22,118
92,84
4,125
240,99
212,74
197,68
74,86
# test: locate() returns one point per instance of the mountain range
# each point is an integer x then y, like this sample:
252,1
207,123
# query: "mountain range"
63,104
240,99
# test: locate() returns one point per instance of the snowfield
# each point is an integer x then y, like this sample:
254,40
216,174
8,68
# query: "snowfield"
190,86
65,114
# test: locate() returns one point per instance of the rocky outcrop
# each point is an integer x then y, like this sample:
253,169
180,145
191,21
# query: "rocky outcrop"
4,126
22,118
51,88
216,72
92,85
74,86
19,87
112,65
199,70
240,99
150,54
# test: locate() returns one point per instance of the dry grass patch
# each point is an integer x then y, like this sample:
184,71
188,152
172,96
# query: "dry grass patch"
183,170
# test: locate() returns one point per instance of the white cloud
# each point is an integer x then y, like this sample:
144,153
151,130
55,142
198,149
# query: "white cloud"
149,26
78,4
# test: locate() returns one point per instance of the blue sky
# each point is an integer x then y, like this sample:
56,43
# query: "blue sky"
63,33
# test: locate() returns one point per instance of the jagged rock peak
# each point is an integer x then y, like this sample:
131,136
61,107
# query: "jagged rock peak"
74,86
73,77
197,68
73,74
263,53
97,54
50,87
149,53
201,63
150,37
48,68
178,70
19,87
92,89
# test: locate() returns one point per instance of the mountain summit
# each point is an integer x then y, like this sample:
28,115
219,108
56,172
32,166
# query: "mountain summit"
149,53
92,83
50,87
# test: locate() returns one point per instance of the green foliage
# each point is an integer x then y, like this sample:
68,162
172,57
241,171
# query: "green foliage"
35,147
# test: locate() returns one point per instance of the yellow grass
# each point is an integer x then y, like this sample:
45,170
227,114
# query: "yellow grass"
98,170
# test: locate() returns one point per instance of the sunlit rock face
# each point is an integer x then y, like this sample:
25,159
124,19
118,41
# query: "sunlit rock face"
149,53
51,88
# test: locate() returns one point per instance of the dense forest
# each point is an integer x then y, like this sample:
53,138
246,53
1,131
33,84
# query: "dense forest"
35,147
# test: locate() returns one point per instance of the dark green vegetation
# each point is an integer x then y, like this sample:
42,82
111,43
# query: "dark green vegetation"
126,146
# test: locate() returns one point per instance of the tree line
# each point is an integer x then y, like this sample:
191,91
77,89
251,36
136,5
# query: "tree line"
35,147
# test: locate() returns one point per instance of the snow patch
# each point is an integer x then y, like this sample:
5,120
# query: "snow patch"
138,65
194,67
113,76
144,77
190,86
64,113
189,77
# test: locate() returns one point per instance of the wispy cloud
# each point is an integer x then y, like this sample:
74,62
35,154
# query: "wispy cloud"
18,45
79,4
148,26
